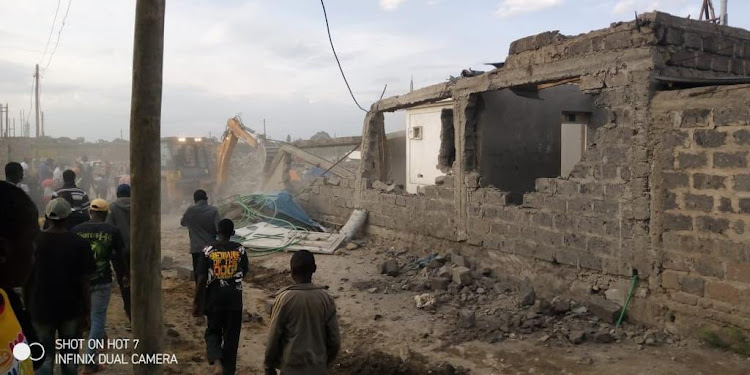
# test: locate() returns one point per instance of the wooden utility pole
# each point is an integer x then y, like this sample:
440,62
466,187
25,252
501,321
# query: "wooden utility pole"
36,95
145,220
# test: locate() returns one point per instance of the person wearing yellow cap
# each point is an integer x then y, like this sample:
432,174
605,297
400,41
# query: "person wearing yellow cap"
107,247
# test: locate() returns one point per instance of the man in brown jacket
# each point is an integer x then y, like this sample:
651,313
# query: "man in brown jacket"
304,334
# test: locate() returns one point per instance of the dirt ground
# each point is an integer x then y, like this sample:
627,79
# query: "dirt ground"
384,333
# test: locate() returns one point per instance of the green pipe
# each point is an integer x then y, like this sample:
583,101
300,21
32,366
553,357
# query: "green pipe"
627,301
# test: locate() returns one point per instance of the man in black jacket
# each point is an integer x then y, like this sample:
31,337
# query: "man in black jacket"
202,221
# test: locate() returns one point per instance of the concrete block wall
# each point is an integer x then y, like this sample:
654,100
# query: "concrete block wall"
687,47
703,205
330,200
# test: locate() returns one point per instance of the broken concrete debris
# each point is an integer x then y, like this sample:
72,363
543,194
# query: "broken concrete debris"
390,267
577,337
607,311
424,300
462,276
440,283
526,291
352,246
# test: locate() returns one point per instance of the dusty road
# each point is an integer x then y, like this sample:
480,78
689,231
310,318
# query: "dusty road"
384,333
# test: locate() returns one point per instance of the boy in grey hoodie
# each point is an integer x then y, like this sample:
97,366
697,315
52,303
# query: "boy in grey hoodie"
119,216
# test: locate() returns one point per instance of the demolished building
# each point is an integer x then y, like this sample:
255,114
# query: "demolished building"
657,181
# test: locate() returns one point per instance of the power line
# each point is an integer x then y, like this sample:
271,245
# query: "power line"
51,30
59,33
328,28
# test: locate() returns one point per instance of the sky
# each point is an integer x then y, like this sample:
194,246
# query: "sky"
270,59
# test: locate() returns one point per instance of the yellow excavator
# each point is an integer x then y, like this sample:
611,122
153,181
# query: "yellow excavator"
190,163
270,154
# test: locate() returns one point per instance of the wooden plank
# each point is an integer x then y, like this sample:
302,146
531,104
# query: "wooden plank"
269,236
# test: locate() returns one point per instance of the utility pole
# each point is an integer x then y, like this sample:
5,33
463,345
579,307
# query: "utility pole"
145,222
1,120
264,129
7,122
36,95
724,19
43,133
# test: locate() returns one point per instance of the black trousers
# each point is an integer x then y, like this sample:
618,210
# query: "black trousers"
223,337
125,292
196,259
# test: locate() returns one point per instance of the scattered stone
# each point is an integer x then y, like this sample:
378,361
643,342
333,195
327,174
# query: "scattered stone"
604,338
544,338
466,319
458,260
560,306
480,291
390,267
462,276
444,271
502,288
527,294
579,310
372,290
377,317
352,246
607,311
543,307
167,262
435,264
424,300
486,272
440,283
577,337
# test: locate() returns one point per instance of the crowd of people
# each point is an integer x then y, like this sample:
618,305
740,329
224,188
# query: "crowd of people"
74,246
56,279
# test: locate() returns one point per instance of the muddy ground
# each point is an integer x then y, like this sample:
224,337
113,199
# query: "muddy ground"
384,332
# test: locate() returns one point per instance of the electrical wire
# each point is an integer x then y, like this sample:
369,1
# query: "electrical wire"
51,30
59,34
252,212
330,39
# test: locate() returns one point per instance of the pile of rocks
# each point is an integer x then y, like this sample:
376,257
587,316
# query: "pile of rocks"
484,308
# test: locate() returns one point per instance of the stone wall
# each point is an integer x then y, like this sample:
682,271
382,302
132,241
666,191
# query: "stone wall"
702,202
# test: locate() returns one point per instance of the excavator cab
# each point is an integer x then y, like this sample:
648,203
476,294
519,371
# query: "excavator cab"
187,164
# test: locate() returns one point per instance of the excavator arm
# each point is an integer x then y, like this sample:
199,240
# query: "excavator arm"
234,132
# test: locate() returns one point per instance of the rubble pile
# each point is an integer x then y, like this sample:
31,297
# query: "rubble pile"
486,309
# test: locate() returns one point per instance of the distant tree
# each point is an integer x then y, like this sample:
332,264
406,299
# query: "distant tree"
288,138
319,136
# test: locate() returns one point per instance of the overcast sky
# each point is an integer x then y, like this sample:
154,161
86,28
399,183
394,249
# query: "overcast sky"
270,58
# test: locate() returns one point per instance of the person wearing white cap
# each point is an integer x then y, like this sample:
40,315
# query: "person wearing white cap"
58,289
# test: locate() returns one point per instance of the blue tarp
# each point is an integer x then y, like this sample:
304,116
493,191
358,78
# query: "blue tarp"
289,209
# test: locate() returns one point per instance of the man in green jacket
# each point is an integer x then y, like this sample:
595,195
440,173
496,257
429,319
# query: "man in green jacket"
304,334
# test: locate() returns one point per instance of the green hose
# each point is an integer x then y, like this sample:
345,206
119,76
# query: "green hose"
627,301
252,212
